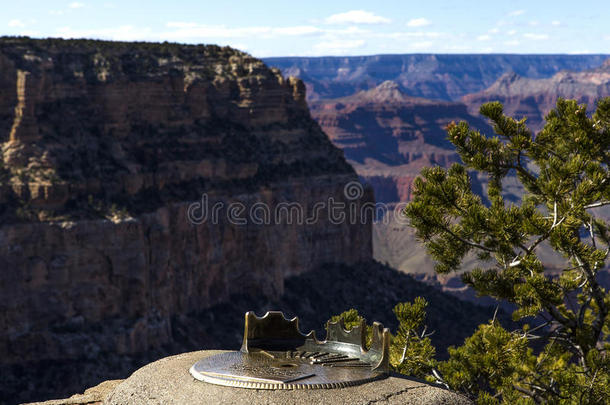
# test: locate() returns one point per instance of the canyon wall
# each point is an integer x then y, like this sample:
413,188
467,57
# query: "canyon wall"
373,107
111,153
534,98
437,76
388,136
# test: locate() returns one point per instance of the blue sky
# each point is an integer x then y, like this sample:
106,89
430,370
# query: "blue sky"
315,27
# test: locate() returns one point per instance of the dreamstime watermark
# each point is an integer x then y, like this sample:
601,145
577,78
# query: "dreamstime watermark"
351,209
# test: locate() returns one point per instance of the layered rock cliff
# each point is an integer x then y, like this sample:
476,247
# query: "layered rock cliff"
105,149
389,136
534,98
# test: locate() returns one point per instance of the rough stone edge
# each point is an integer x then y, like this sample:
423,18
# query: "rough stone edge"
92,396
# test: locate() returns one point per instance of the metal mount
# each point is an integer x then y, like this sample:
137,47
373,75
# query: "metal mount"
276,355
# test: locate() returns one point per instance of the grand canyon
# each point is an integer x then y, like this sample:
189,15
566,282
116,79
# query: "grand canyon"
389,112
106,147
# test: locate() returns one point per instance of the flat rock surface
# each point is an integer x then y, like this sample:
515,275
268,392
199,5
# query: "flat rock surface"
167,381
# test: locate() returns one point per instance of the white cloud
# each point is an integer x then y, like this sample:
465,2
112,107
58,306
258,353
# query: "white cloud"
494,30
356,17
16,23
416,34
535,37
241,46
533,23
298,30
122,33
193,30
512,42
181,30
72,6
460,48
346,31
428,34
261,53
556,23
338,47
512,32
483,38
184,31
180,24
418,22
422,45
30,33
516,13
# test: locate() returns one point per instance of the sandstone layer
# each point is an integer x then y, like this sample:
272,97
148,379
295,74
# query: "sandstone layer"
105,149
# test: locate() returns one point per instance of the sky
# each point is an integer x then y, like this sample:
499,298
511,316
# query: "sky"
326,27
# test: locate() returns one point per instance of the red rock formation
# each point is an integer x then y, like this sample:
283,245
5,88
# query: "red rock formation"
389,136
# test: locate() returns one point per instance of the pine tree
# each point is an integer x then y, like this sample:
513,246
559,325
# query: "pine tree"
564,174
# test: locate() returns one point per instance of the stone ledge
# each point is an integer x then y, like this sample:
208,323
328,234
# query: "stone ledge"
92,396
167,381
